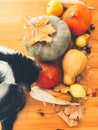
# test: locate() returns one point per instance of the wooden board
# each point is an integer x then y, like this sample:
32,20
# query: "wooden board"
12,17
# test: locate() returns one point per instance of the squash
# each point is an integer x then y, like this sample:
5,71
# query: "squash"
73,64
60,40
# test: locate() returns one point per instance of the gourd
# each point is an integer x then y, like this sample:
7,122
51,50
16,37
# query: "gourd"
73,64
59,44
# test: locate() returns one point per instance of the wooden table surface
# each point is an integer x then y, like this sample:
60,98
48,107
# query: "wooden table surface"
12,17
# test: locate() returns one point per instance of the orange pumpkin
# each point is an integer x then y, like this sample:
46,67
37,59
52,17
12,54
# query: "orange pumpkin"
49,77
78,17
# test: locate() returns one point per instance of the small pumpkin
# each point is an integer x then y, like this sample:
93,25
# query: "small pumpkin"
78,17
49,76
60,40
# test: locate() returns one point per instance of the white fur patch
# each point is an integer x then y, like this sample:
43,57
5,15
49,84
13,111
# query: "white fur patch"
7,73
5,50
3,89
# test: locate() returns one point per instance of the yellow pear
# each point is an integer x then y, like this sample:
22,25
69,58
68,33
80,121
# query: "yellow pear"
54,7
77,90
82,40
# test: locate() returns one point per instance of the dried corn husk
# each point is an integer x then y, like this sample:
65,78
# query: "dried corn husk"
72,2
45,96
66,3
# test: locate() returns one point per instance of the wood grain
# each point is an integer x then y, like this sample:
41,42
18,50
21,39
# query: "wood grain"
12,17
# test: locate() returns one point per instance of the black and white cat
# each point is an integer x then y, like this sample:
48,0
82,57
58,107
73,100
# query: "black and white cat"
17,72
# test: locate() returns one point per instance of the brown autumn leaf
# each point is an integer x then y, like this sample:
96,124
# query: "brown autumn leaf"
40,31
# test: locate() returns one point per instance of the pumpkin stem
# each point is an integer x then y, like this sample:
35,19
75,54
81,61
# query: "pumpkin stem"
72,14
50,77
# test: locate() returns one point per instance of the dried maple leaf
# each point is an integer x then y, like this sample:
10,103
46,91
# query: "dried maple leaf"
72,114
42,22
40,31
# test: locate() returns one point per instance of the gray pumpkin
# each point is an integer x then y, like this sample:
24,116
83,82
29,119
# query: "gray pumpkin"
60,40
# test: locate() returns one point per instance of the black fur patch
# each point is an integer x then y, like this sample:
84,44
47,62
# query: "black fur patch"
12,102
1,77
10,105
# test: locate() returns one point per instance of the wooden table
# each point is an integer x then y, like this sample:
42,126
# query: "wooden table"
12,17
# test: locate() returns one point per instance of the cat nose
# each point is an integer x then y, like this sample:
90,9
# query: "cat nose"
39,66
